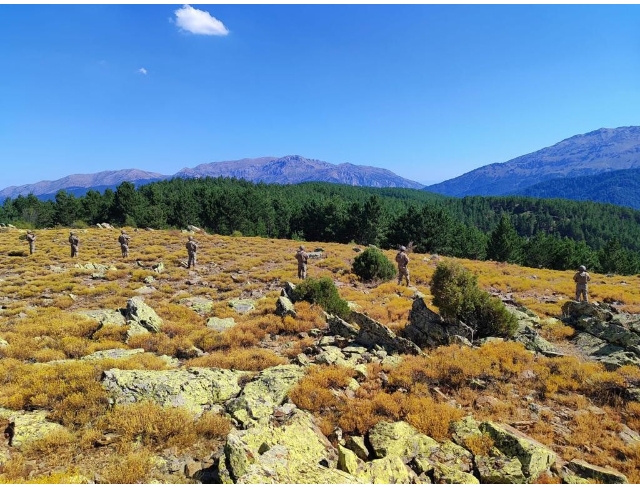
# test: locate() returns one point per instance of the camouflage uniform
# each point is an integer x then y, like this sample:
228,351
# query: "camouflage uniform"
124,243
75,242
403,261
581,279
192,248
31,238
302,257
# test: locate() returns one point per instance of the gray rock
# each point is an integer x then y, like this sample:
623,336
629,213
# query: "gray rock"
195,388
105,316
373,333
499,470
115,353
428,329
339,327
198,304
605,475
284,307
220,324
142,314
242,305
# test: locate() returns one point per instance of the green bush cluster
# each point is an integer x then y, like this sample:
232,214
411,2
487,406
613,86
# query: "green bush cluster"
373,264
324,293
457,295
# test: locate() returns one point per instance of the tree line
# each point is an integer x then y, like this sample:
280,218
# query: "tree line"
550,233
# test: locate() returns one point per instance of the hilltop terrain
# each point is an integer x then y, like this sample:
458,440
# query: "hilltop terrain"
587,154
139,370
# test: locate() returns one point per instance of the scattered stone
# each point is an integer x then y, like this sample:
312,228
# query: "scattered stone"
149,279
220,324
115,353
145,290
198,304
242,305
142,314
26,427
105,316
158,268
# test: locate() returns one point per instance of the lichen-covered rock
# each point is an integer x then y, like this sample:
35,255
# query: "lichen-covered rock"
399,439
284,307
427,328
28,426
372,333
114,353
601,474
105,316
260,396
143,314
220,324
465,428
443,474
242,305
294,453
387,470
330,355
534,457
347,460
448,453
339,327
357,445
575,310
195,388
198,304
611,356
499,470
532,340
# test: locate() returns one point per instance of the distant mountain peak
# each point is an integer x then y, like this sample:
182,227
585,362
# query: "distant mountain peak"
289,169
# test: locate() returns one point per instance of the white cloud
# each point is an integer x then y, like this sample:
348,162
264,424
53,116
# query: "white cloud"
142,71
199,22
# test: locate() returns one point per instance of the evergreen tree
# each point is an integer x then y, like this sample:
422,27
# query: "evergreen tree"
504,243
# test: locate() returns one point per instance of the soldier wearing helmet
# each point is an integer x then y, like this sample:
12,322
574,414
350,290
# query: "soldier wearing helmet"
581,279
192,248
123,239
74,241
302,257
403,261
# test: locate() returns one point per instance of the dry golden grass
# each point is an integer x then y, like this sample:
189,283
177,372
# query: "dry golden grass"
231,267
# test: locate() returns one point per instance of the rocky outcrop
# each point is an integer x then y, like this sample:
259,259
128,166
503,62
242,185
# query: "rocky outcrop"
580,471
115,353
340,327
428,329
534,457
605,334
399,439
260,396
373,333
143,315
24,427
195,389
284,307
105,316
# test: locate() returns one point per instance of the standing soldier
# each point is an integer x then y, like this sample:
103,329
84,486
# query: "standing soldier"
581,279
124,243
31,238
75,242
403,261
192,248
302,257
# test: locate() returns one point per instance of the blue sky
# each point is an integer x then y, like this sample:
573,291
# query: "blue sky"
427,91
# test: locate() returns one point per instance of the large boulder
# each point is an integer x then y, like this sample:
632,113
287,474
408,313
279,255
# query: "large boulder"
387,470
443,474
340,327
534,457
195,389
399,439
428,329
604,475
260,396
114,353
137,311
242,305
105,316
295,452
372,333
499,470
611,356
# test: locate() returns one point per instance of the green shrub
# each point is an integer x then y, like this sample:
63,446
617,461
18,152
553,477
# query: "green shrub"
457,295
324,293
373,264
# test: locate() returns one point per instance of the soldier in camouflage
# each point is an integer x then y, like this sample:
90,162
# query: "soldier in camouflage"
302,257
581,279
31,238
123,239
403,261
74,241
192,248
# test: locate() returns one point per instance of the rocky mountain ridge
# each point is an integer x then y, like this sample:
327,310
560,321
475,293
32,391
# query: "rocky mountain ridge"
596,152
282,170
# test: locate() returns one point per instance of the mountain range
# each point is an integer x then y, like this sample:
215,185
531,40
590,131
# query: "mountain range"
283,170
602,166
590,154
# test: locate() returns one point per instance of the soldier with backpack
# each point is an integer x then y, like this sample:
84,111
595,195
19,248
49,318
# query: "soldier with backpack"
123,239
192,248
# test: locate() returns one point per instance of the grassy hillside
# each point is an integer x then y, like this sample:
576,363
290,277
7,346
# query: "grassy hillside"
40,369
